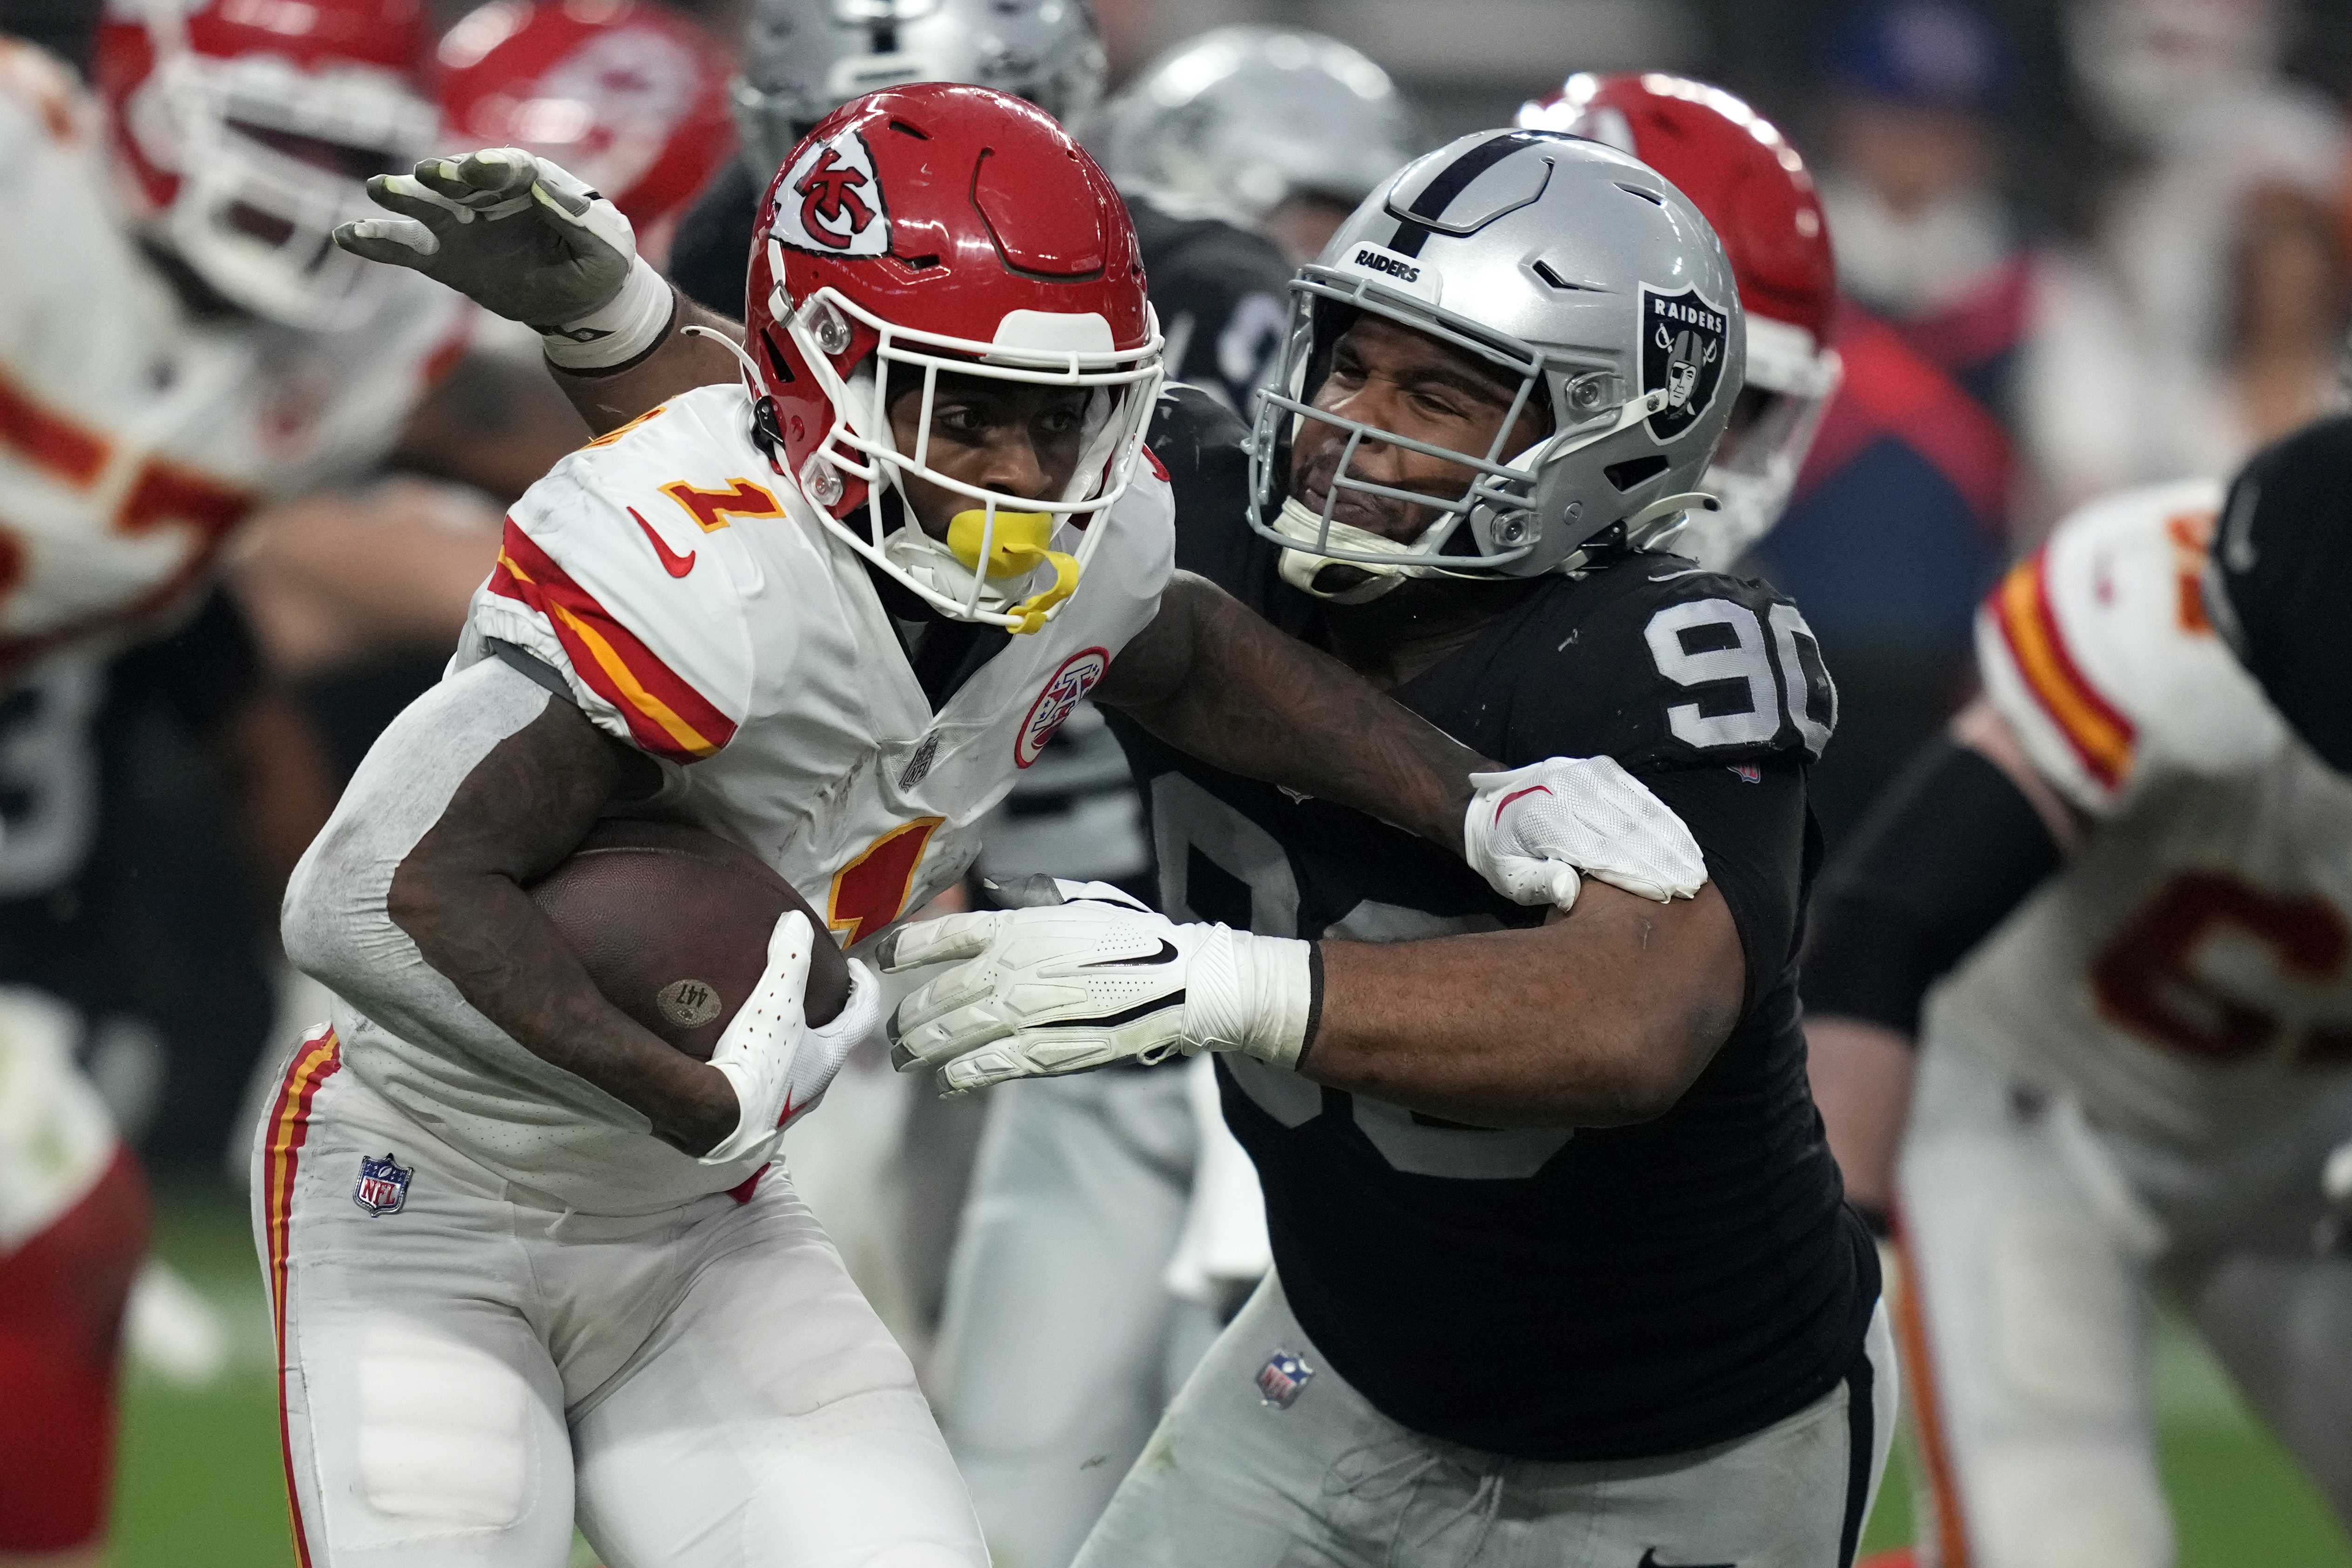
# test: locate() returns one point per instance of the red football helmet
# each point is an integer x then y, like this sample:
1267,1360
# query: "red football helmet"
245,127
944,227
1743,175
632,98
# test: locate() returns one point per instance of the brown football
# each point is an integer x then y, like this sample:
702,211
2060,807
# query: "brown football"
672,924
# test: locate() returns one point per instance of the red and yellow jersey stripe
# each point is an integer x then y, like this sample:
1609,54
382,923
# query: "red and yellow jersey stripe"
2102,737
665,715
287,1130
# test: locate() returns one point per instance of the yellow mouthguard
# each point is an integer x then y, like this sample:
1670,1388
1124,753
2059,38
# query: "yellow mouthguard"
1019,549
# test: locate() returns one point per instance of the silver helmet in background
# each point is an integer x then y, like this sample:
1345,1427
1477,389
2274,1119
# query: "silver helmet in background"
1242,119
1577,274
803,59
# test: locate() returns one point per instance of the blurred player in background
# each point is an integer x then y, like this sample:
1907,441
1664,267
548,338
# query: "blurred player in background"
803,57
179,344
632,98
2097,948
358,599
1278,130
73,1227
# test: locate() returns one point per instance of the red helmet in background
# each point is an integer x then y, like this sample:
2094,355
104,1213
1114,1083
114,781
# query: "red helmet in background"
245,127
944,228
631,98
1754,190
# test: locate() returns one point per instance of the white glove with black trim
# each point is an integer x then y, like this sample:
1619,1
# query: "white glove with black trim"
777,1065
1531,830
526,239
1087,979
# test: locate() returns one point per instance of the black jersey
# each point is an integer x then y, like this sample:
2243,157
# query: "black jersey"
1604,1293
1218,289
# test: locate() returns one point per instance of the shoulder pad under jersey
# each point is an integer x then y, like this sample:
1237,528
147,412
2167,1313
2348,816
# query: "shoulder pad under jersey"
2098,653
618,569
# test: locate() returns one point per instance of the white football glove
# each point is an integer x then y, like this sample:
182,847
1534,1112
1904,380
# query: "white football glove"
1089,980
778,1066
1530,830
525,239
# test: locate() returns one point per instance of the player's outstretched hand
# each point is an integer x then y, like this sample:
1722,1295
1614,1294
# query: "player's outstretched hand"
1087,979
777,1065
1531,830
526,239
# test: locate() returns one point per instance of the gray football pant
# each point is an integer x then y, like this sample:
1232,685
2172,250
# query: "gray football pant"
1060,1346
1329,1482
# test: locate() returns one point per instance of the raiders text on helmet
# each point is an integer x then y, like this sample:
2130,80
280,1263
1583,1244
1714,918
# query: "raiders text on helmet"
1757,195
804,58
940,229
222,113
1572,271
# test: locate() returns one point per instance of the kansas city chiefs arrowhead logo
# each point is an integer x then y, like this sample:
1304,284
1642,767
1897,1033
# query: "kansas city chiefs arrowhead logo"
830,202
1684,340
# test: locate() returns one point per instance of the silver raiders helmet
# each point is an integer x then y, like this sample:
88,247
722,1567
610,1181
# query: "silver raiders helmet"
1576,273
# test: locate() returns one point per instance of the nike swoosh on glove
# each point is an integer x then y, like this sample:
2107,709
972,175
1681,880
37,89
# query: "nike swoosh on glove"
526,239
1097,978
1531,830
757,1049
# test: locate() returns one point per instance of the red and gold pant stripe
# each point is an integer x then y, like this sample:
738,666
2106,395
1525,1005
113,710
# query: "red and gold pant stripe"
288,1129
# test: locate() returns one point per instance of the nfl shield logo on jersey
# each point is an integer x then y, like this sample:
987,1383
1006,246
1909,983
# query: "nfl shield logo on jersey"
384,1184
1281,1379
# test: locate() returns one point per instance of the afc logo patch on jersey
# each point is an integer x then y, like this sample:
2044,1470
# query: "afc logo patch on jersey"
384,1184
1281,1379
1683,342
829,201
1054,705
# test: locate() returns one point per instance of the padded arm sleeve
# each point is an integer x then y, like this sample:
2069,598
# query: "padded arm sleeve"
335,922
1952,847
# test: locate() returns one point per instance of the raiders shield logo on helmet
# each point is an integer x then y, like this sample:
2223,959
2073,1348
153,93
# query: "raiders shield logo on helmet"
1682,352
830,202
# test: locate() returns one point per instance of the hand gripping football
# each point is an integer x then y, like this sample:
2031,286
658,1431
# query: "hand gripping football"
672,924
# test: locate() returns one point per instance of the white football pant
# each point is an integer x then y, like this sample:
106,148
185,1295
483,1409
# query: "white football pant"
2028,1259
1231,1479
467,1374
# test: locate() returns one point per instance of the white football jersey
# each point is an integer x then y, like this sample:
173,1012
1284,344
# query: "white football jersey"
133,433
698,611
2189,972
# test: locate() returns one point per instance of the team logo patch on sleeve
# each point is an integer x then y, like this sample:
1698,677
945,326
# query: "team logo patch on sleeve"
1683,340
384,1184
1054,705
1281,1379
830,202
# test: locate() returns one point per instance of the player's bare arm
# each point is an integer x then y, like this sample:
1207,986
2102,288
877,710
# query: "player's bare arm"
1601,1016
2009,829
1212,679
459,895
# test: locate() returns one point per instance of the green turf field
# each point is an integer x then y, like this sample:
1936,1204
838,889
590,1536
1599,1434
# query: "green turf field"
200,1485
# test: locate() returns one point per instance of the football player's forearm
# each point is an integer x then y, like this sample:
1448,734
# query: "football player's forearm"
1216,681
459,895
1602,1018
490,939
684,361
